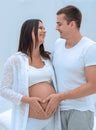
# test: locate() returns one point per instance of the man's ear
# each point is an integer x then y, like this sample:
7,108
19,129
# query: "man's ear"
72,23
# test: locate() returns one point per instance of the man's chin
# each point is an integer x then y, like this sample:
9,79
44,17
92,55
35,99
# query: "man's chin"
61,36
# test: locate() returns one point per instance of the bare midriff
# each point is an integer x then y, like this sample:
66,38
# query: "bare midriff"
41,90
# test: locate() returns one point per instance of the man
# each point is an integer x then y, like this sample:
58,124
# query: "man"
74,61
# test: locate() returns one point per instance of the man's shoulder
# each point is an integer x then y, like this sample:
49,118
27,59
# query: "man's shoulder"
89,45
88,41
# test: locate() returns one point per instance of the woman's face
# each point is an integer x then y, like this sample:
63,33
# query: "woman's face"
41,34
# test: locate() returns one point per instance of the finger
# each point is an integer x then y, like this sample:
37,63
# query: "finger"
46,100
39,99
51,113
49,108
40,109
39,113
37,107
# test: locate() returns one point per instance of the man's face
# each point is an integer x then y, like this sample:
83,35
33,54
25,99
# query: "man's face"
62,26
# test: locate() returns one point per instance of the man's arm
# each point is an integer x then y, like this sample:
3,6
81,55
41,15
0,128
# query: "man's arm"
81,91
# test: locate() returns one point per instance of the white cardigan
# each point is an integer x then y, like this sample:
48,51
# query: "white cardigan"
14,85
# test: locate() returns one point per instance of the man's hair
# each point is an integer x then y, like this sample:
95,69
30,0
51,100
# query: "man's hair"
71,13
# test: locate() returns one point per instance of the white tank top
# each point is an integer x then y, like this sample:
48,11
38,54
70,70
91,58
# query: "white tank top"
37,75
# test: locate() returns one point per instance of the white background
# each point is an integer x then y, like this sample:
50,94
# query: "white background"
14,12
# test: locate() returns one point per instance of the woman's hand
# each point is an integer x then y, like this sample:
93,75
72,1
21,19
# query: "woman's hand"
35,109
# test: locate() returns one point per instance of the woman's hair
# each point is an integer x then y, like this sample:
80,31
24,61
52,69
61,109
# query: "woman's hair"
26,40
71,13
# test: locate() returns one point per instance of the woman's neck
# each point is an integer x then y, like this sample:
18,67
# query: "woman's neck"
36,53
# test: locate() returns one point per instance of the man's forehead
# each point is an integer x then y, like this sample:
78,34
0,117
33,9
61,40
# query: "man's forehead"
61,16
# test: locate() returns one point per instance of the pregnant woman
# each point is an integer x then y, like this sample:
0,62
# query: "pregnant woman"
28,79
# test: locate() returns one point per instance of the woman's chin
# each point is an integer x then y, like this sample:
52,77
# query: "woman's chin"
41,42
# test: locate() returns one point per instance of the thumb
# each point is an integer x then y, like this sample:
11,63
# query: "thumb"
46,99
39,100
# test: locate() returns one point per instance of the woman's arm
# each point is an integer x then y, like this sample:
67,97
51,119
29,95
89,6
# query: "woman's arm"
6,87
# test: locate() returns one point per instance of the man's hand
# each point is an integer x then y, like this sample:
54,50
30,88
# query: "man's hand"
53,102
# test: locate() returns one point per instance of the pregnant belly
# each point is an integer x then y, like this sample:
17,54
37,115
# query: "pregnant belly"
41,90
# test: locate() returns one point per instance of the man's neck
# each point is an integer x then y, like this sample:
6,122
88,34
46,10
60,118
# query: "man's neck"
73,40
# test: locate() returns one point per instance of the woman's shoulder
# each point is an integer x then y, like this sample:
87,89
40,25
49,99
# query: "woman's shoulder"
16,57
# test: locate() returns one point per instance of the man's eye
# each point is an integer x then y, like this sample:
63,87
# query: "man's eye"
59,24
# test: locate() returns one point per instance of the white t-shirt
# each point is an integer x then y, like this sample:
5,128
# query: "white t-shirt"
69,66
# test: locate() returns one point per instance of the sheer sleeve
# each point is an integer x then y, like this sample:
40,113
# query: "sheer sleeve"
7,82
